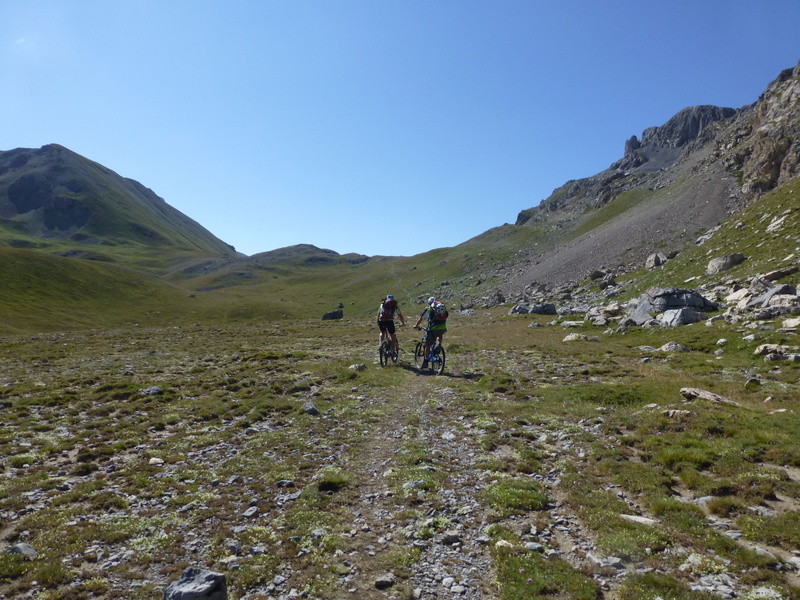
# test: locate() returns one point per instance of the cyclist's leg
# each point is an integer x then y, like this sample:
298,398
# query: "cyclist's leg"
428,338
390,330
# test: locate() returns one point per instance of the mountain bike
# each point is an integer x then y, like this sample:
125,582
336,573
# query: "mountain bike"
436,355
385,353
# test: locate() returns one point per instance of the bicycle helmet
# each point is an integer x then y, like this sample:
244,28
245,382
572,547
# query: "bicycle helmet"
389,297
431,300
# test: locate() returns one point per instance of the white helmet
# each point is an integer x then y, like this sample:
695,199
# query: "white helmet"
431,300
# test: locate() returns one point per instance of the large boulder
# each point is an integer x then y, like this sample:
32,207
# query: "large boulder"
655,260
660,300
545,308
333,315
764,299
197,583
718,265
681,316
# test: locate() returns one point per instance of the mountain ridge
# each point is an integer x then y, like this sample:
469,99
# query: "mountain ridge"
726,159
673,184
53,196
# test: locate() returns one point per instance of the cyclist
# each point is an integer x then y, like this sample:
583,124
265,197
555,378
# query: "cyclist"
436,313
386,314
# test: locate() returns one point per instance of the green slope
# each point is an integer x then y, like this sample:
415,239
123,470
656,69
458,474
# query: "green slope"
42,292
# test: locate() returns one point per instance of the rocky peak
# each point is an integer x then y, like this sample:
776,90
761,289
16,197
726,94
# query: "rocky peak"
761,146
660,147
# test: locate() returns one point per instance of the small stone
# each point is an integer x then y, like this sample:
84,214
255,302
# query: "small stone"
385,581
25,550
534,547
310,409
451,537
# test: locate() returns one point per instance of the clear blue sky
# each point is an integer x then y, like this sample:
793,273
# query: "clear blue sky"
371,126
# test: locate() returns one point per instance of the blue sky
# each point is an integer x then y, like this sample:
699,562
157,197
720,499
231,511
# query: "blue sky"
370,126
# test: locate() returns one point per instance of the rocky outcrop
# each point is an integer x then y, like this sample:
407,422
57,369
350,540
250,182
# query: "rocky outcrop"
679,179
762,144
660,147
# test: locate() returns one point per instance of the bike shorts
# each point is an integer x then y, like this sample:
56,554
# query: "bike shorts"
436,333
386,326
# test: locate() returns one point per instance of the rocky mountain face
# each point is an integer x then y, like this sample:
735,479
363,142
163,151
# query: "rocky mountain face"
51,197
679,180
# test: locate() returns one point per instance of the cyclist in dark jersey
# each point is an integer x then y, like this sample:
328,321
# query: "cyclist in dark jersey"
386,314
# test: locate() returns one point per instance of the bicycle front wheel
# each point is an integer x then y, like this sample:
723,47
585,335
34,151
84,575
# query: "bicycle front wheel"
438,366
419,355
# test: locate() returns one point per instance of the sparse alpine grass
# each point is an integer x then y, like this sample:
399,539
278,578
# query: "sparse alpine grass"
95,459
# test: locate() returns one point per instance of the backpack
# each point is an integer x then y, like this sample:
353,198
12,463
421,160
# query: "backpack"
386,313
439,312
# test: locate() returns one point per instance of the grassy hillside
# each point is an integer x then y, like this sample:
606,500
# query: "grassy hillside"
42,292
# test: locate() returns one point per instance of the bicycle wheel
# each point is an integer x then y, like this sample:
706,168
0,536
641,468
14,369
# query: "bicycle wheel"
419,354
384,352
438,366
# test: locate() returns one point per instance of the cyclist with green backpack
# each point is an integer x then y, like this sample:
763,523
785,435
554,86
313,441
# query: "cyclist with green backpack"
386,313
437,314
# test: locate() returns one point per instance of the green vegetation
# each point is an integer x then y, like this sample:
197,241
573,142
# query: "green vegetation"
109,462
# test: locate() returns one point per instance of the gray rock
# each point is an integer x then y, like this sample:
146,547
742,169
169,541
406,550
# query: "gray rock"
681,316
545,308
518,309
196,583
333,315
310,409
655,260
658,300
762,301
24,549
534,547
385,581
718,265
451,537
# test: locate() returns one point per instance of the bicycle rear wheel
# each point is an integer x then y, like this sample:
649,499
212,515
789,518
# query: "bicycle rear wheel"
438,366
419,355
384,353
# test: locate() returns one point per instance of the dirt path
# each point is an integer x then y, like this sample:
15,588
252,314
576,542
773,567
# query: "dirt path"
434,519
